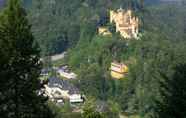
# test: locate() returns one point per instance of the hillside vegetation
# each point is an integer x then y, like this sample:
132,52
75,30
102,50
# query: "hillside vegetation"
156,61
69,24
160,49
62,21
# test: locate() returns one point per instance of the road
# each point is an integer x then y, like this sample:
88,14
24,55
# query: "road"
58,56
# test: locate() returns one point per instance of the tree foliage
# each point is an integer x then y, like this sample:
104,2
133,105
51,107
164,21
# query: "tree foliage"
63,20
60,24
157,50
173,102
20,67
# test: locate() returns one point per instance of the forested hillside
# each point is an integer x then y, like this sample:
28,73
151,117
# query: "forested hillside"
64,20
156,61
160,50
59,25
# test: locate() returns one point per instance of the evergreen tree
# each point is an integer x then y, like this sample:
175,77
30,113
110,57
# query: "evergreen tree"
173,91
19,67
89,110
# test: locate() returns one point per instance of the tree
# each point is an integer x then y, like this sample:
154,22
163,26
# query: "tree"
19,67
173,91
89,110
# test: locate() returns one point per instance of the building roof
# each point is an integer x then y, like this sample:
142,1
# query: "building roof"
45,71
63,84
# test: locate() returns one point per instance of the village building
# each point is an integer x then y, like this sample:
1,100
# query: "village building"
45,72
59,90
118,70
66,73
75,98
126,24
104,31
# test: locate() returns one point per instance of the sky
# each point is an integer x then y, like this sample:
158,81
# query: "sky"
171,0
1,2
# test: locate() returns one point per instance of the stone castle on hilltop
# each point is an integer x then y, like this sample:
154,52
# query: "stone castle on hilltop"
126,23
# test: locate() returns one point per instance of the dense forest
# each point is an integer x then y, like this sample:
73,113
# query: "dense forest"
156,61
56,19
62,20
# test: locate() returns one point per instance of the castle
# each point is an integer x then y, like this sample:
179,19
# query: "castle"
126,24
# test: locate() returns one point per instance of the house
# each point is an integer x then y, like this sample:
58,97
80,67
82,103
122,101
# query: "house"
58,89
45,72
104,31
76,98
118,70
66,73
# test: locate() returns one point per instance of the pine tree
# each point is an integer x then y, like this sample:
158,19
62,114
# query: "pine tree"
89,110
19,67
173,91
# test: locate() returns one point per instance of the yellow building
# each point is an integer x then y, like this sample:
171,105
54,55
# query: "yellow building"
104,31
126,24
118,70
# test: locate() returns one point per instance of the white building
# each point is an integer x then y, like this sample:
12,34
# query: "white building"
68,75
75,98
57,89
56,93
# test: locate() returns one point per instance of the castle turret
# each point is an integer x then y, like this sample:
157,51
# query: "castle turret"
112,15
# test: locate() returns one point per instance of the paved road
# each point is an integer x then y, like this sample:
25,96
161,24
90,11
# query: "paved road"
58,56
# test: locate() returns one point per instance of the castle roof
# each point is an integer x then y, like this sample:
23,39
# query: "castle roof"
120,10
